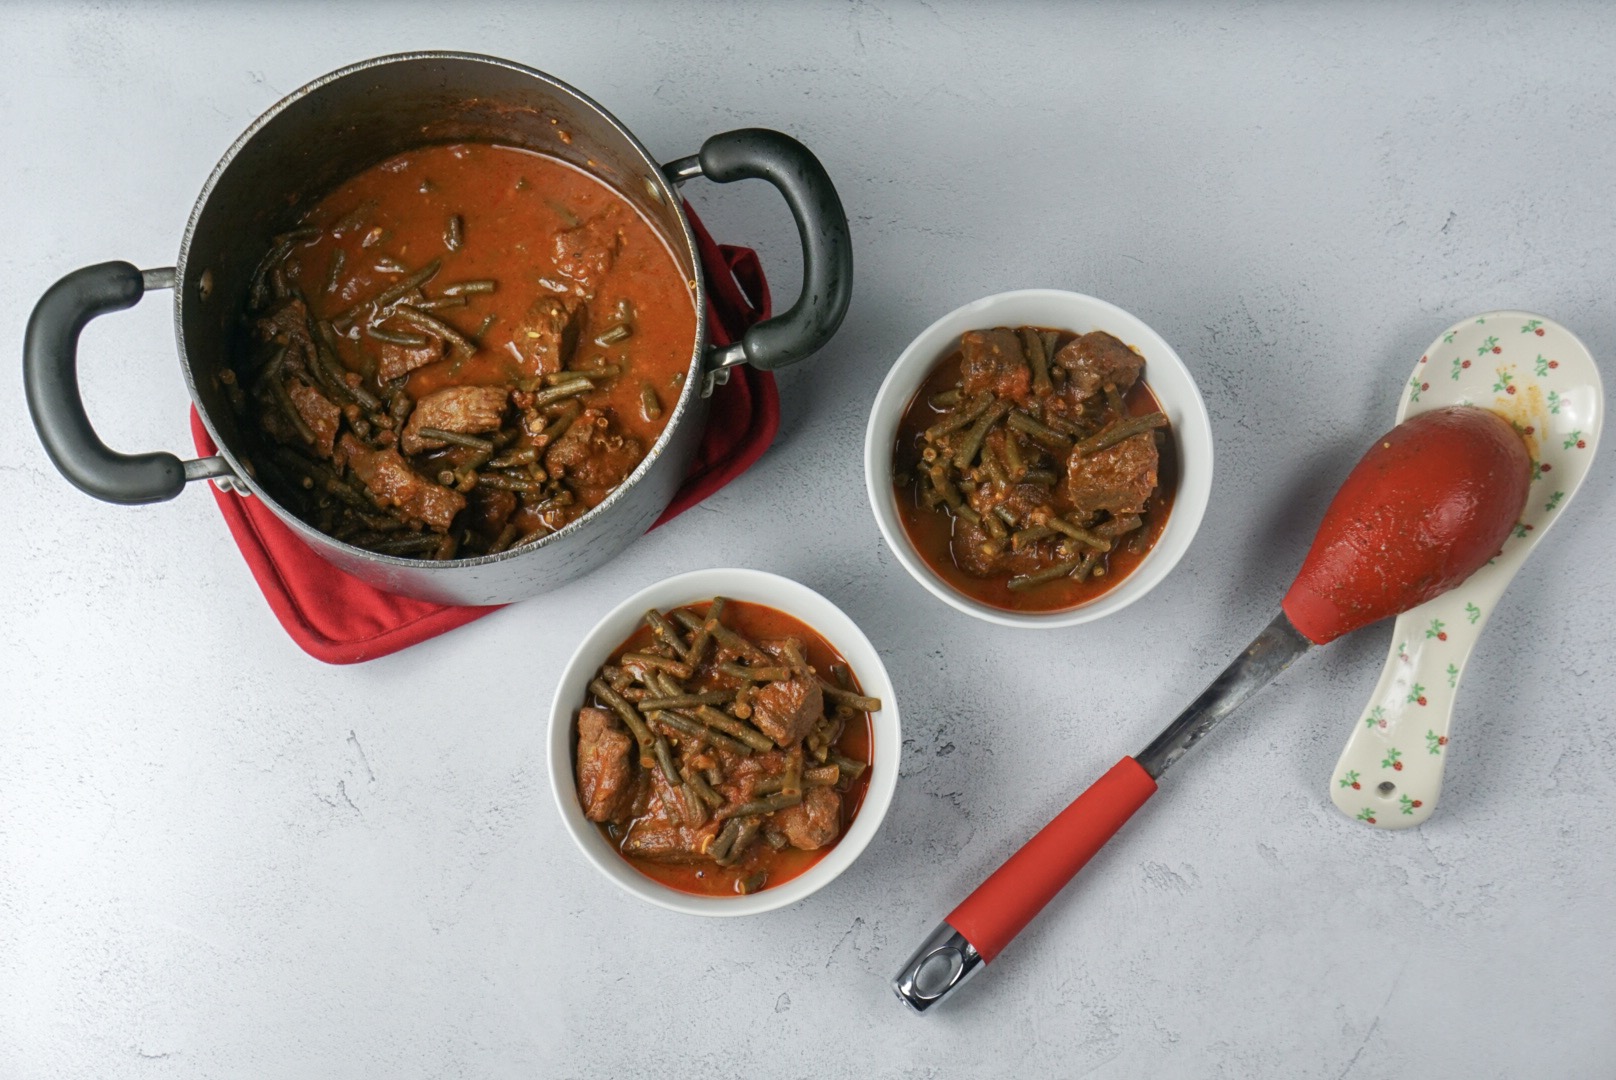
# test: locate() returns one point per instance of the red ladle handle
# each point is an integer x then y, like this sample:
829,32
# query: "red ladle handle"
1017,891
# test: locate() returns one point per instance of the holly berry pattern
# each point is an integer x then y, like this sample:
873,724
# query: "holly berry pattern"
1506,380
1351,780
1554,500
1391,760
1435,630
1434,742
1533,326
1489,346
1416,387
1409,805
1459,365
1416,696
1366,814
1575,439
1555,401
1453,676
1473,613
1376,717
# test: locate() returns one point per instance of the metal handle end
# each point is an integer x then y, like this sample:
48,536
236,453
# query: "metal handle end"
936,969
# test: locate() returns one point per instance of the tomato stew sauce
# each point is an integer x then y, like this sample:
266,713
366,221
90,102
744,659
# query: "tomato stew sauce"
461,348
645,817
933,527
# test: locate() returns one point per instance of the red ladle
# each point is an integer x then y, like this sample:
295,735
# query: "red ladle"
1426,507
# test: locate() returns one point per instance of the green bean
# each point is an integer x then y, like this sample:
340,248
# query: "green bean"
938,474
613,334
354,218
1025,424
1049,573
725,636
438,303
456,438
650,407
963,417
851,768
850,698
1030,535
694,809
1113,398
1041,477
651,660
704,633
482,329
1032,343
525,455
1081,535
431,324
446,548
664,757
563,421
507,482
333,277
333,357
966,454
409,545
392,337
562,391
1119,526
1050,339
504,539
791,779
1119,431
1013,462
471,288
688,727
389,265
719,848
454,233
795,658
398,288
712,718
283,398
945,400
1090,564
991,466
689,701
630,716
662,628
767,805
756,674
398,409
1066,426
699,784
967,514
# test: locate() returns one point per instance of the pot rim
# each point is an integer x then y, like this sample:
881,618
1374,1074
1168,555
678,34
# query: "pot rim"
666,192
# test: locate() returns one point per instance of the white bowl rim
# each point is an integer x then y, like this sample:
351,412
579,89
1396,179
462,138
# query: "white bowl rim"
755,586
1186,409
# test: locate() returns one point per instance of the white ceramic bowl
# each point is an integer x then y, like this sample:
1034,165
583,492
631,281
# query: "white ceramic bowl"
1168,378
757,587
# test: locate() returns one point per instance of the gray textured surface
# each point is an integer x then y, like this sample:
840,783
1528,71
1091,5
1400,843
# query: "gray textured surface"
220,858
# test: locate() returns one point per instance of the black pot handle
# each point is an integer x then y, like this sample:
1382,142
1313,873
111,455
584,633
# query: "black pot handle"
827,250
50,378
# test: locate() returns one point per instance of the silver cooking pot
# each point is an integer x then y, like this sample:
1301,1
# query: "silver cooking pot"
341,124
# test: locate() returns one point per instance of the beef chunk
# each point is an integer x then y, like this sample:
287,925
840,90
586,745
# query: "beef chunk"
393,483
465,409
814,822
660,834
591,454
605,772
786,711
992,360
585,253
548,335
1118,479
287,324
1096,360
979,555
399,360
318,412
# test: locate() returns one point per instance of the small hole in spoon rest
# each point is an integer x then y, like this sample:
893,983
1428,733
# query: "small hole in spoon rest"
1386,789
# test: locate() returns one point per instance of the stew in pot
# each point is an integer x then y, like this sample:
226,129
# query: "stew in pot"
460,350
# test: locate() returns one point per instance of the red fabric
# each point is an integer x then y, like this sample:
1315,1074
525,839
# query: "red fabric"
341,620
